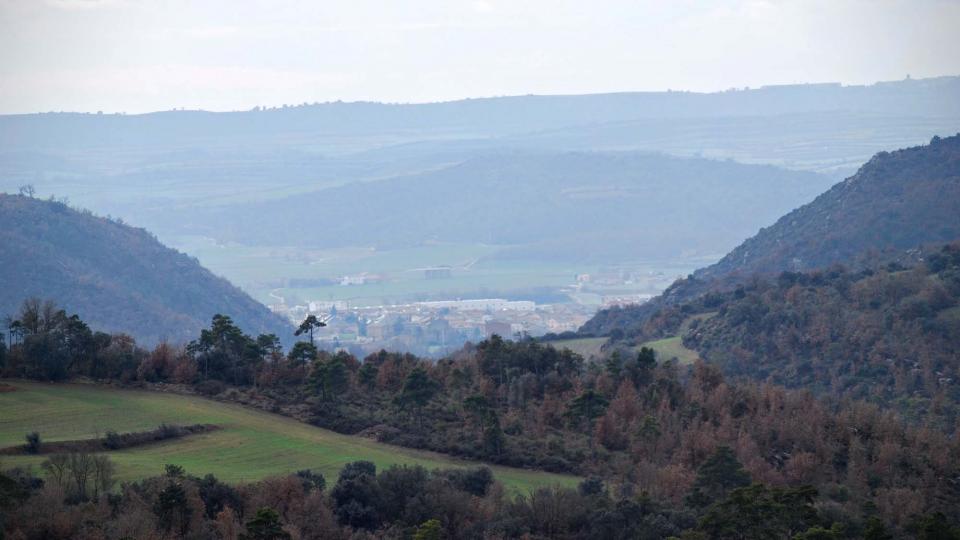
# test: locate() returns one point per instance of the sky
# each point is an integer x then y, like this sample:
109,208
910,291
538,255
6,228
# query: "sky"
138,56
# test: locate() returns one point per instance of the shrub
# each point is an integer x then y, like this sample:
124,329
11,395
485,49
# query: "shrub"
311,480
33,442
210,387
167,431
112,440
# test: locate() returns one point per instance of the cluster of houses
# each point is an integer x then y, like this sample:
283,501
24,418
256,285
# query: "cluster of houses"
438,327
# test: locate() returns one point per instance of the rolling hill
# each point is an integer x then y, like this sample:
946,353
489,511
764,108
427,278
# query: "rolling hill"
896,201
571,206
145,167
117,278
246,448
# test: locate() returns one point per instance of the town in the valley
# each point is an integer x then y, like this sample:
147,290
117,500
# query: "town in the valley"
437,327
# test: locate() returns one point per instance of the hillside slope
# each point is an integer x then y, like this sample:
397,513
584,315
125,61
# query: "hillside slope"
889,333
117,278
896,201
568,205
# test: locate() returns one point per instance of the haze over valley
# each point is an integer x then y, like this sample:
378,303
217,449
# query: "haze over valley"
479,270
568,201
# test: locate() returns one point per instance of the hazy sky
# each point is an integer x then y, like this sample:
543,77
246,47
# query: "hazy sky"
138,55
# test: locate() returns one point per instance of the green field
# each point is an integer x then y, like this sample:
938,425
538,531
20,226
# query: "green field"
252,444
672,347
476,271
585,347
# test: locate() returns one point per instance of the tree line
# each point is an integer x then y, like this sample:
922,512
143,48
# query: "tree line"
643,425
73,501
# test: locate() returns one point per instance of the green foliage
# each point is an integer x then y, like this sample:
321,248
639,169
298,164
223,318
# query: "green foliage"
367,375
33,442
761,512
308,325
418,390
329,377
719,474
874,529
935,527
867,335
311,480
303,352
588,406
819,533
429,530
358,496
172,508
494,440
224,352
265,525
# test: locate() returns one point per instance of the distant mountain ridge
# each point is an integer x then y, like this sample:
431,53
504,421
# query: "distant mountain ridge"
117,278
490,116
571,204
897,201
148,168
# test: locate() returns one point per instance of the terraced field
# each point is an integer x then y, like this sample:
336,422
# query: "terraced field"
252,444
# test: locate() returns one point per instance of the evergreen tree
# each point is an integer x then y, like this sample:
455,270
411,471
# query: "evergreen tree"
418,390
589,405
308,325
719,474
265,526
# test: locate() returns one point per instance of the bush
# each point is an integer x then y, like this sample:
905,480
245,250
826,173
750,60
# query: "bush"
33,443
210,387
112,440
167,431
311,480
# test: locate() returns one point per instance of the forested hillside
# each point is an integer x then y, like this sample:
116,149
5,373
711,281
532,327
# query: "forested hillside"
897,201
666,450
571,206
116,277
887,334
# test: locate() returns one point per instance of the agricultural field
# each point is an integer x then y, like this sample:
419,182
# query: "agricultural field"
477,270
585,347
251,444
672,347
266,272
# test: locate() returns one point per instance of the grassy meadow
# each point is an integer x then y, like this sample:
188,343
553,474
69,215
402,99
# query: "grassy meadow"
585,347
672,347
252,444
